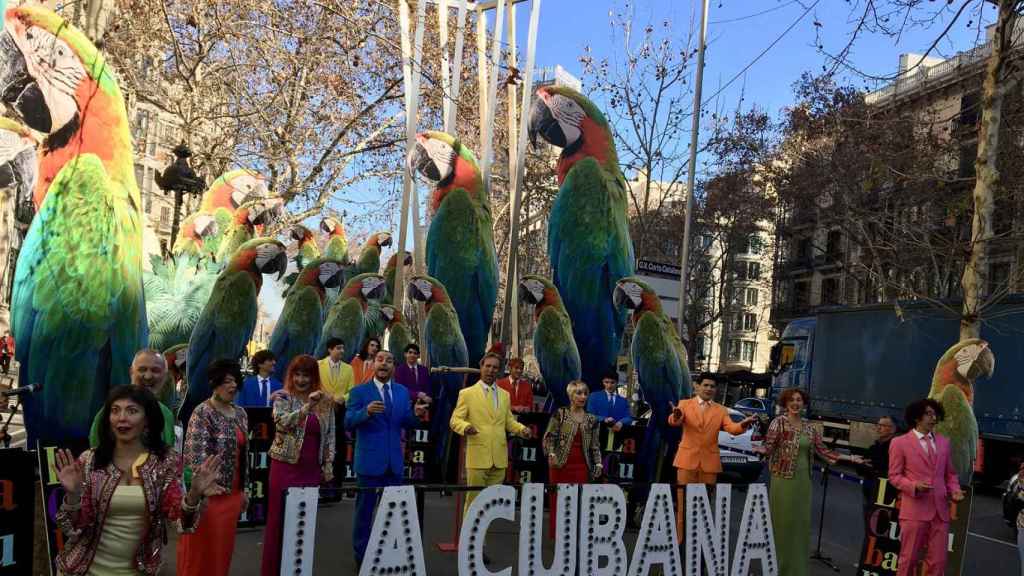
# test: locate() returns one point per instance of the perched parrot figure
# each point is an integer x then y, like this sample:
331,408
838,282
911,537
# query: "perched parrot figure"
195,231
369,256
588,229
346,319
390,270
225,195
443,339
19,162
399,333
229,317
177,290
301,321
953,387
308,249
243,228
337,243
77,307
659,359
460,243
553,344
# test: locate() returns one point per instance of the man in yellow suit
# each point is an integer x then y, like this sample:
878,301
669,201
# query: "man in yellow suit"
336,376
483,415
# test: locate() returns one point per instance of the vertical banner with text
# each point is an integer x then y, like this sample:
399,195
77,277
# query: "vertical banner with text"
881,549
17,511
261,435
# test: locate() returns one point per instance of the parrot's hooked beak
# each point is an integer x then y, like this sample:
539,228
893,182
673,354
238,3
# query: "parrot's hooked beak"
388,313
267,212
18,89
627,294
419,162
542,122
373,287
419,289
298,232
327,226
407,261
384,239
331,274
271,258
205,226
531,291
21,173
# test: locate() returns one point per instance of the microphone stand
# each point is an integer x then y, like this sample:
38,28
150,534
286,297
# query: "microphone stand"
826,560
5,438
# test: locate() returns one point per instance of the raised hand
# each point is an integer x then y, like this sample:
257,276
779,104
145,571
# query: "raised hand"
676,412
69,471
748,422
314,397
204,480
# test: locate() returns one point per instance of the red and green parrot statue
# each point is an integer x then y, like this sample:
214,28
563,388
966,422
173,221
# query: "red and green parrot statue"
553,343
588,229
193,240
399,333
243,226
390,270
337,243
346,318
953,387
460,243
660,362
369,256
77,307
443,339
228,319
301,321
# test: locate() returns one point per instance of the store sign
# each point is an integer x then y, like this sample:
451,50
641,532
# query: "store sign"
590,533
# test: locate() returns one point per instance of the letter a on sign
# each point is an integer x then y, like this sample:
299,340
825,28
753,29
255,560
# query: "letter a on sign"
493,502
707,534
602,522
531,532
656,543
395,545
756,541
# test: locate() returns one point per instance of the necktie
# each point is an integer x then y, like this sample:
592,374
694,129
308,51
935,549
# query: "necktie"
264,391
611,400
415,376
494,395
387,397
931,446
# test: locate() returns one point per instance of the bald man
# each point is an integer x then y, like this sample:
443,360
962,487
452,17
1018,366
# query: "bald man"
149,371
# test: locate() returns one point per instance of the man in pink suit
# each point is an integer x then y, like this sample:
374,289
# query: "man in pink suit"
920,468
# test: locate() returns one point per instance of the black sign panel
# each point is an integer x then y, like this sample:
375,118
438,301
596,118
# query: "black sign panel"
261,435
17,511
53,494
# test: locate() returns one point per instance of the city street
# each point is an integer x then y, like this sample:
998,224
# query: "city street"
990,550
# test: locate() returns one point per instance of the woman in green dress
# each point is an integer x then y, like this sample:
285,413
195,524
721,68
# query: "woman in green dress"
790,446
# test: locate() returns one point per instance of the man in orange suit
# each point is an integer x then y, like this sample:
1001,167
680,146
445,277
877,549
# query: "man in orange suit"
921,469
697,459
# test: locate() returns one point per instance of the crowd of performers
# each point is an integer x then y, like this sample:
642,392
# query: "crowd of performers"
129,489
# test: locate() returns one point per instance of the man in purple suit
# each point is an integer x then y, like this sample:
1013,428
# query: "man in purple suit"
921,469
414,375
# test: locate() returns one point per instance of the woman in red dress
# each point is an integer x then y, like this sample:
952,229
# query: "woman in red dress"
302,454
217,427
572,444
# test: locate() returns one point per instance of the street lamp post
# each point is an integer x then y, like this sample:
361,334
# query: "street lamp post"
180,178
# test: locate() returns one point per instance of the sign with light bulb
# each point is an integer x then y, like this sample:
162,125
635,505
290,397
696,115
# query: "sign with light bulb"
589,538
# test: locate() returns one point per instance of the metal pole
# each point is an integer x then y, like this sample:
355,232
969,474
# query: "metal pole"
517,175
692,176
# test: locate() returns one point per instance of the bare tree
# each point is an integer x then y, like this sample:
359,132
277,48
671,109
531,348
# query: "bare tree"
1001,76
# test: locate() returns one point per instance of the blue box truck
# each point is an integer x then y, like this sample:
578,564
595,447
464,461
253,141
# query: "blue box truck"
861,363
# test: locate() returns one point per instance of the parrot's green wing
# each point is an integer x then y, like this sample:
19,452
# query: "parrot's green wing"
961,427
298,327
344,321
399,336
78,297
557,355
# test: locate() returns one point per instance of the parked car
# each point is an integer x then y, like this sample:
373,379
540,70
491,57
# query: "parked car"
753,407
1011,504
739,461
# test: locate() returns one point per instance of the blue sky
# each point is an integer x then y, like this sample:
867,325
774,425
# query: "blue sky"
736,35
738,31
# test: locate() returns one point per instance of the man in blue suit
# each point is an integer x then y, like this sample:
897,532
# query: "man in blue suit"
376,413
258,389
607,405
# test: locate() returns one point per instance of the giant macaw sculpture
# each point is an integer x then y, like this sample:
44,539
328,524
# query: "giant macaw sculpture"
553,344
953,387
